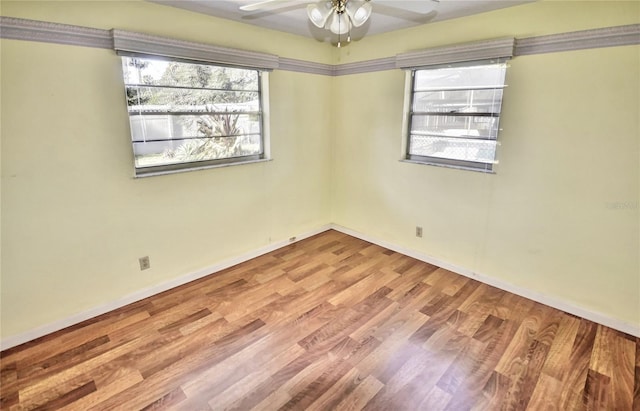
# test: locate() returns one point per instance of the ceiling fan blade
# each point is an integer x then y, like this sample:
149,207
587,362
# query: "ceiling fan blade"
263,5
405,14
282,8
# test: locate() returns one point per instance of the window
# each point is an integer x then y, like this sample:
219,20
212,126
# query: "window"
454,114
187,115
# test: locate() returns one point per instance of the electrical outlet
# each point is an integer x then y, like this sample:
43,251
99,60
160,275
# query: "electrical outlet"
418,231
144,263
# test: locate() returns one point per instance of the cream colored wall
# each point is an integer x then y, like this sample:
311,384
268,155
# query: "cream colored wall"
74,221
145,17
540,18
560,217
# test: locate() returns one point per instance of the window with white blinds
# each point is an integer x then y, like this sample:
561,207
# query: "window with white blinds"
187,115
193,105
454,114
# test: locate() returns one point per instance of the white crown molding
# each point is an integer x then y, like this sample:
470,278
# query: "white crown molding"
367,66
387,63
47,32
303,66
127,41
32,30
479,50
579,40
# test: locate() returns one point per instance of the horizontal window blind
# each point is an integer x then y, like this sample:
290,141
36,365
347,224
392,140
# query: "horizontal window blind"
455,113
186,115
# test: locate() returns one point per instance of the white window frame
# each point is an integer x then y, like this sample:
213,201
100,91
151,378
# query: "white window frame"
410,93
143,45
188,165
466,54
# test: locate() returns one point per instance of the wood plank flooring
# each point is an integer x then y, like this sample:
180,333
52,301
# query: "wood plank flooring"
328,323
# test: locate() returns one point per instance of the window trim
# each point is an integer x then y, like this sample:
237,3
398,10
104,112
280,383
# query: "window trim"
263,155
142,45
201,167
408,118
458,53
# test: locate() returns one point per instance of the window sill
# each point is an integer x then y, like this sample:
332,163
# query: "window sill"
427,163
187,169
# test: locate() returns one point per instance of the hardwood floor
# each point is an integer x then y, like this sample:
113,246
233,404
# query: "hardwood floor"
329,323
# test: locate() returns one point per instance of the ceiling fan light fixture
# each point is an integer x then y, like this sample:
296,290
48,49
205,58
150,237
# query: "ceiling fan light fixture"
358,11
339,23
319,13
341,16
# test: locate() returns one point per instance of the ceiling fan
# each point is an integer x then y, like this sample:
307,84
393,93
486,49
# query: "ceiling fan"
340,16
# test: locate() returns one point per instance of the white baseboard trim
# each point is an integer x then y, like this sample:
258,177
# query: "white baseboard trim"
554,302
600,318
46,329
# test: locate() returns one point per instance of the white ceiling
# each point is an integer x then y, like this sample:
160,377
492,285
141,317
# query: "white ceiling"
387,15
